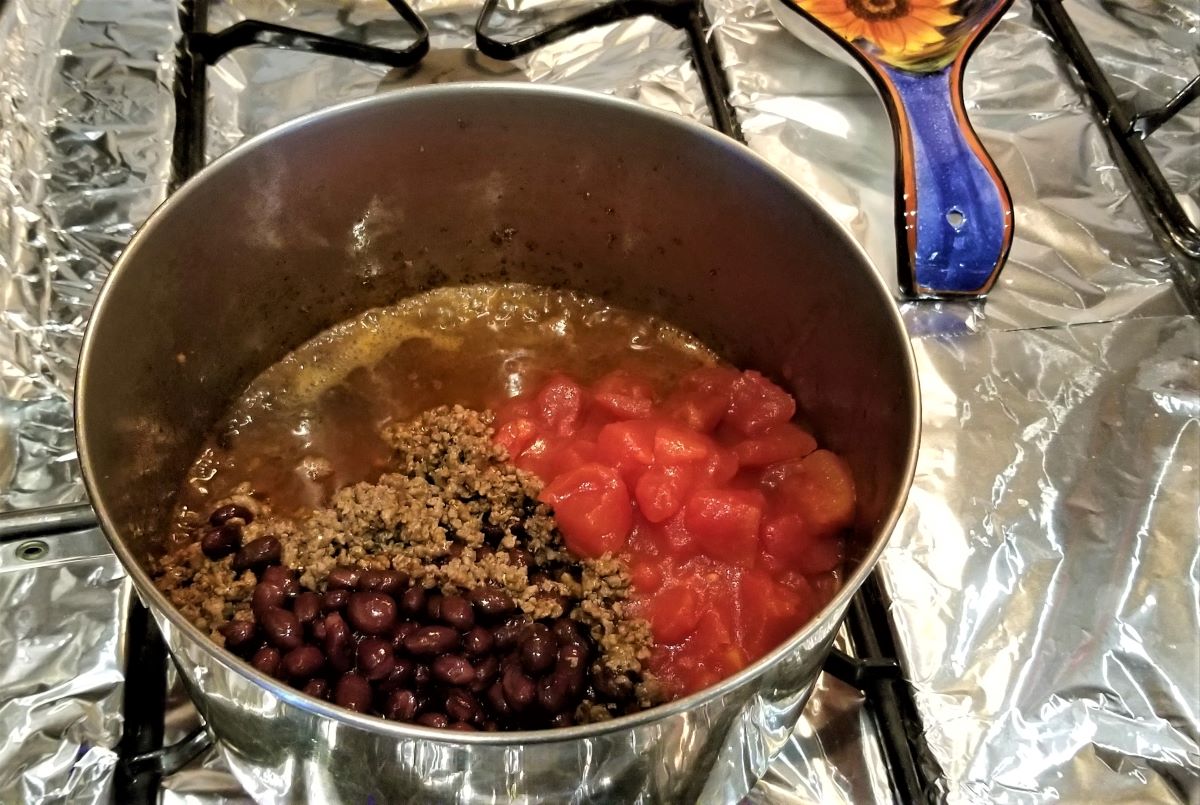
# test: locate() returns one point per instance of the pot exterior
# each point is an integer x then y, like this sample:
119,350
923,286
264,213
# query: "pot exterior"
282,752
373,201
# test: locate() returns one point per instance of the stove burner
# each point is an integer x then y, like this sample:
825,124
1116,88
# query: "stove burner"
451,64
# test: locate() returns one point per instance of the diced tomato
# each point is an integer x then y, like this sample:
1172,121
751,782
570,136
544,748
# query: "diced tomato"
725,523
662,490
715,380
773,476
514,408
756,404
645,575
593,508
550,456
628,446
676,445
822,491
559,405
673,613
672,536
790,540
768,612
713,629
719,468
516,435
781,443
624,395
699,410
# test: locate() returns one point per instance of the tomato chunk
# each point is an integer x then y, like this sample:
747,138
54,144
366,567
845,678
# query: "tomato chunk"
624,395
628,446
822,491
516,435
673,613
780,443
790,540
559,405
662,491
676,445
756,404
593,509
725,523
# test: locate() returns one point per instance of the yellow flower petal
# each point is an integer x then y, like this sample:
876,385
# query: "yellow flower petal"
934,17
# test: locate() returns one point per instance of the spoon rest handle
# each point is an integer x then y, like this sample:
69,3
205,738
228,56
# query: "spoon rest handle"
953,211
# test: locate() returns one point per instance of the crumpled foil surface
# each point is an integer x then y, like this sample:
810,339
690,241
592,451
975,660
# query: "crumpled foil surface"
1045,593
61,679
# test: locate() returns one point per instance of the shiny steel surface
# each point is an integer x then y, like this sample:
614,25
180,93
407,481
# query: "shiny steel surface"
379,199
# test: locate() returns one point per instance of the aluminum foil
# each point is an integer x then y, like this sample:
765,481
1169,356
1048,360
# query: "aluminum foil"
62,677
1045,577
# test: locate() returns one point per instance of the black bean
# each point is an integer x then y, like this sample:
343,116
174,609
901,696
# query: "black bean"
266,596
520,557
573,654
493,533
456,549
334,600
258,554
478,641
342,578
519,690
567,631
506,634
490,726
266,659
412,602
497,701
401,675
353,692
430,640
433,607
490,602
375,660
552,693
462,706
383,581
282,576
437,720
456,611
453,669
233,511
282,628
317,688
486,670
563,720
539,649
461,726
239,634
339,647
317,630
307,606
574,676
303,662
371,613
400,705
402,630
421,676
220,542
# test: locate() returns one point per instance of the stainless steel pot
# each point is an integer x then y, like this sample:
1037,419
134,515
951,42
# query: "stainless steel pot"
365,203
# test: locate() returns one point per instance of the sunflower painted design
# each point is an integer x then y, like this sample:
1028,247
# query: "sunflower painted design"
899,28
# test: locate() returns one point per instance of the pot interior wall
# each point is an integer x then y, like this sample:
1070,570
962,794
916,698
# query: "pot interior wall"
310,225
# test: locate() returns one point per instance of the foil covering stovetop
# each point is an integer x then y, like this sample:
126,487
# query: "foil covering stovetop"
1046,577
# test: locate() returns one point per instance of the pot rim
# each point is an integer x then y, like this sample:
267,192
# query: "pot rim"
158,603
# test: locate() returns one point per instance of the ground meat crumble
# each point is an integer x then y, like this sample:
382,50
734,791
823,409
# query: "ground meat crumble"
453,515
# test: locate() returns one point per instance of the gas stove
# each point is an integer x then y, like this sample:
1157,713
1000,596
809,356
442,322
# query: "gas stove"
1029,634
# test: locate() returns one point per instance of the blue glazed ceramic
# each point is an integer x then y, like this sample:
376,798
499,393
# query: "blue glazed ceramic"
954,220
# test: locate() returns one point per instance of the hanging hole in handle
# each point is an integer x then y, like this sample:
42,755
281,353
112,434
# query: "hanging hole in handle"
955,218
32,550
